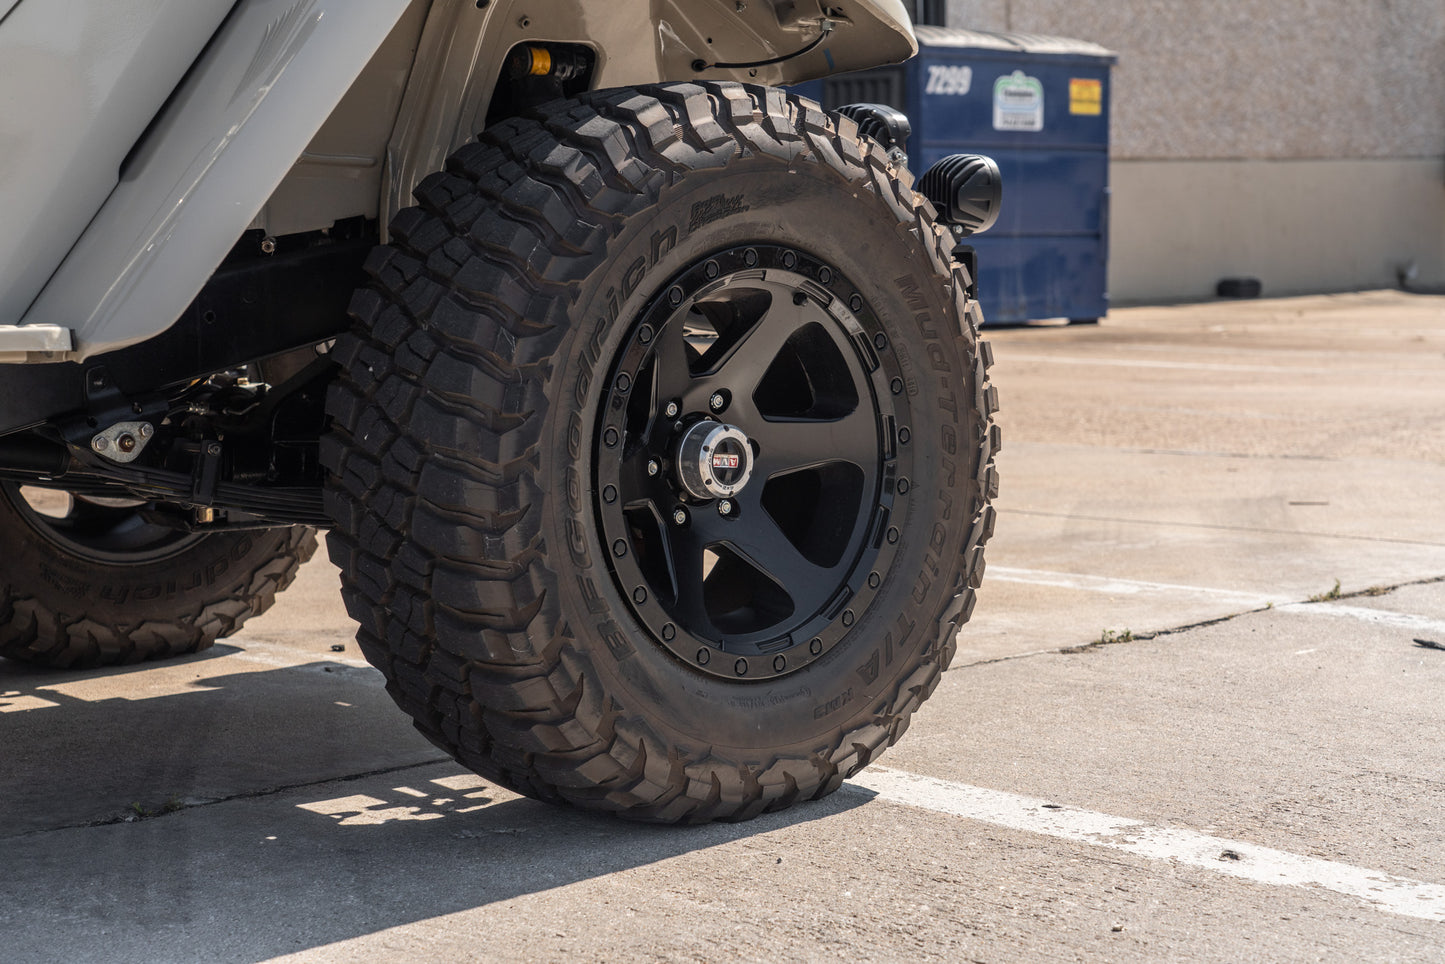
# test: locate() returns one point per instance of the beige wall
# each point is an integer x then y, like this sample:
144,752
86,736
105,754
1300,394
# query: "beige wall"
1298,141
1298,226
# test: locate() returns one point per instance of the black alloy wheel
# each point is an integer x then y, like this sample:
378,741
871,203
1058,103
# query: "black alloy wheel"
749,558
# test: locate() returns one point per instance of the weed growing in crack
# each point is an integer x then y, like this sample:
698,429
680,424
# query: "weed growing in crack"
1328,596
140,812
1107,638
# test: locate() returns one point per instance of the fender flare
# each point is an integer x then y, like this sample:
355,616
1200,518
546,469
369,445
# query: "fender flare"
229,136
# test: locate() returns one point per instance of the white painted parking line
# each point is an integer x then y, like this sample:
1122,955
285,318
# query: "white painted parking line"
1122,587
1233,858
1130,587
1211,366
1381,617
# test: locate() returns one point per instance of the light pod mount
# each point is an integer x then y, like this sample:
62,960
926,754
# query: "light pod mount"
886,125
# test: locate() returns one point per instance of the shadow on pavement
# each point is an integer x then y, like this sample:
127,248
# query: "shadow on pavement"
88,747
262,872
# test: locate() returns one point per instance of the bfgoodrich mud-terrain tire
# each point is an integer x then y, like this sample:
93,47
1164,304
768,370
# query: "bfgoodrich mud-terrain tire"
88,584
661,459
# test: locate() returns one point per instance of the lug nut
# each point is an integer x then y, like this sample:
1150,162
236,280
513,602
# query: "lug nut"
671,410
725,507
653,466
679,516
718,402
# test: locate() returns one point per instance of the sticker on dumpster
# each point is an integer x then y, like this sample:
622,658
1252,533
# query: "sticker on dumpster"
1086,97
949,79
1018,103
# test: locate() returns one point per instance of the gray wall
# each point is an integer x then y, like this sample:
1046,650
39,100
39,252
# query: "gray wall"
1301,141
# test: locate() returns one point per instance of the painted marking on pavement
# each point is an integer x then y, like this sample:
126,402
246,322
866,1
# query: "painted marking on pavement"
1382,617
1211,366
1129,587
1123,587
1233,858
1217,527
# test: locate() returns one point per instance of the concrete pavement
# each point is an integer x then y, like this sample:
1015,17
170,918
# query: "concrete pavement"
1143,692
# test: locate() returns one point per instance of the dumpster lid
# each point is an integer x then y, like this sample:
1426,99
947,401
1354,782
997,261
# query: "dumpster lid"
1025,43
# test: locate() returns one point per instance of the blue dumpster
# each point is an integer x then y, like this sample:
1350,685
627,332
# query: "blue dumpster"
1039,106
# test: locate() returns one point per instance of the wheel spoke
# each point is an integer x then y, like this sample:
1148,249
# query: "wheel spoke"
757,539
685,565
647,393
748,360
785,446
672,375
638,483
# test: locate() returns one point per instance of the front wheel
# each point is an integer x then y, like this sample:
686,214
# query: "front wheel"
661,458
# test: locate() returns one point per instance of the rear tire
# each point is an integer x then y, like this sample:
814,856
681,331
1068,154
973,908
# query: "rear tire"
86,584
507,544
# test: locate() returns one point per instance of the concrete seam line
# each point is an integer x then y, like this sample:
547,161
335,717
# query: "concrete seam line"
1232,858
244,795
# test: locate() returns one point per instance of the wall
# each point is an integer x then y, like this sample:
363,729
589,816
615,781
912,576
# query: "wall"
1298,141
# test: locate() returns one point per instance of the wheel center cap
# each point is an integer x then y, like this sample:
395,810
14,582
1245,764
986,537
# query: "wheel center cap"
714,461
